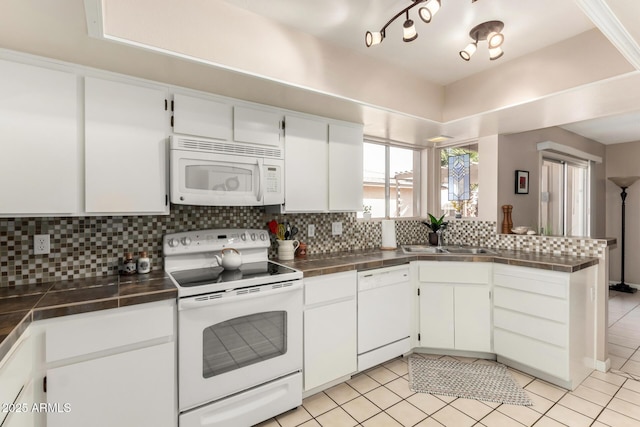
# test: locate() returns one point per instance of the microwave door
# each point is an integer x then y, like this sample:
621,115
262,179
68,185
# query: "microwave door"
222,182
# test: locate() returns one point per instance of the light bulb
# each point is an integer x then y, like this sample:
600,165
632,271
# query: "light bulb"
494,39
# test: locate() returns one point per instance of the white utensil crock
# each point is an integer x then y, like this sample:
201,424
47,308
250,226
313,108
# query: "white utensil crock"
287,249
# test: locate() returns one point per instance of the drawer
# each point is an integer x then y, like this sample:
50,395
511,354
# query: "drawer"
103,330
321,289
454,272
533,304
534,327
538,355
551,283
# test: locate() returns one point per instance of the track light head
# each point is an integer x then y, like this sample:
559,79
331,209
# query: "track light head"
409,33
427,12
491,31
373,38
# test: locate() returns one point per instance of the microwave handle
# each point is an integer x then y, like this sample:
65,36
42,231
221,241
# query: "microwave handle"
260,178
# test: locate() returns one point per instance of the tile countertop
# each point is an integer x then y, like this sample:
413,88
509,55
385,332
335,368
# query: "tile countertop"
315,265
23,304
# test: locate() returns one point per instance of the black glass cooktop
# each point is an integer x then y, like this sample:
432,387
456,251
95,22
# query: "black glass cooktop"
211,275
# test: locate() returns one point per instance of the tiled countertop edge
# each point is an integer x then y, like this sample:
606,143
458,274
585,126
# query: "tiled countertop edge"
317,265
122,291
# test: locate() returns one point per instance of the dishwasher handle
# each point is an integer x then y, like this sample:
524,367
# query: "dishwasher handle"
374,280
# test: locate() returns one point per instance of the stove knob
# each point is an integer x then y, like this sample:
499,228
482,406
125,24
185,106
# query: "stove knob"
243,236
253,236
173,243
186,241
263,236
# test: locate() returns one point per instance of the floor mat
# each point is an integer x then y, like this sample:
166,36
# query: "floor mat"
479,381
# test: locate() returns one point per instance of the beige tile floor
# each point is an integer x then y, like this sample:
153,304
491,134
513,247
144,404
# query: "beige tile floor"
381,395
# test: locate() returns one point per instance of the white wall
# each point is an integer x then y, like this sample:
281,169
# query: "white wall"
622,160
488,178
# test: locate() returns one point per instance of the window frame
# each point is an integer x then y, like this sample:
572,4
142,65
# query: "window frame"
437,153
418,179
565,161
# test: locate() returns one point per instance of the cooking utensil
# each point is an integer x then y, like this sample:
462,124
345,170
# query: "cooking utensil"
281,230
273,226
294,231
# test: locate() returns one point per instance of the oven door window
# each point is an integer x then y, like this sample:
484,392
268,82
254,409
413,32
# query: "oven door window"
219,177
243,341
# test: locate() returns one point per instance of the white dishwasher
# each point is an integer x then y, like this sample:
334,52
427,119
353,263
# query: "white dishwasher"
384,315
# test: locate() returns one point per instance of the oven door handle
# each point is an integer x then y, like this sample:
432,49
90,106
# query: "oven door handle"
203,301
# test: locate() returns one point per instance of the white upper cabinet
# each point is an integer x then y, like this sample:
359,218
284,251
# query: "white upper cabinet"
323,165
125,148
39,165
202,117
256,126
305,165
345,167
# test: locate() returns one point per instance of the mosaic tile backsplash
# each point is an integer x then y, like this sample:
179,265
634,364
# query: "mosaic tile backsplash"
94,246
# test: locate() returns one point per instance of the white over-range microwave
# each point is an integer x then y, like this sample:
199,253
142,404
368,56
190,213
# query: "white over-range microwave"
221,173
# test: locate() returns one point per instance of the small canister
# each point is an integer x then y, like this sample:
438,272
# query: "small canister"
129,264
301,252
144,263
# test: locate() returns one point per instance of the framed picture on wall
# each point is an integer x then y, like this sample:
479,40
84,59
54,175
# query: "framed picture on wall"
522,182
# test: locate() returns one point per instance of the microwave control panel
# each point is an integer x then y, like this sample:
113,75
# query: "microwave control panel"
272,179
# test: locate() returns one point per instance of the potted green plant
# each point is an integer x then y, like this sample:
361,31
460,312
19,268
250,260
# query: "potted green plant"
434,225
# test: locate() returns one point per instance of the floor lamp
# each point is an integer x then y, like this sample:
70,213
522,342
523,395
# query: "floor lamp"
623,182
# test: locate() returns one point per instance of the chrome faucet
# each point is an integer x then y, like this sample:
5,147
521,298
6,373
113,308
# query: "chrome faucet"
439,233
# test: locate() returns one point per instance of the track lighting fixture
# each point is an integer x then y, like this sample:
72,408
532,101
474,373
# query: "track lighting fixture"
489,31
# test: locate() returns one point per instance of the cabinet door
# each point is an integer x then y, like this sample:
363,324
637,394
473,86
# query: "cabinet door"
125,148
256,126
329,343
306,165
437,320
472,318
136,388
39,160
25,416
345,168
202,117
16,371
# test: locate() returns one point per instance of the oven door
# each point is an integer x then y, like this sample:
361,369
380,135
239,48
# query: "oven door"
233,341
206,179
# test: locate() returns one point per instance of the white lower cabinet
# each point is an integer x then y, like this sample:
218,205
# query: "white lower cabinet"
16,384
544,322
455,305
330,333
133,388
112,368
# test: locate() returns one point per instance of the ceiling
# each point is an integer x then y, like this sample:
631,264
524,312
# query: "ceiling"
405,92
529,27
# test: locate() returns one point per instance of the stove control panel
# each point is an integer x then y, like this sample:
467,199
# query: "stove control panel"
189,242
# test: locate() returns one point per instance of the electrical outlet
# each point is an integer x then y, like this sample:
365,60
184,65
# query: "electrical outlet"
41,244
311,230
336,228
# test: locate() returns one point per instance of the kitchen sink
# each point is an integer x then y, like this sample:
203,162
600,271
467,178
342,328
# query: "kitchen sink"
422,249
469,250
465,250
